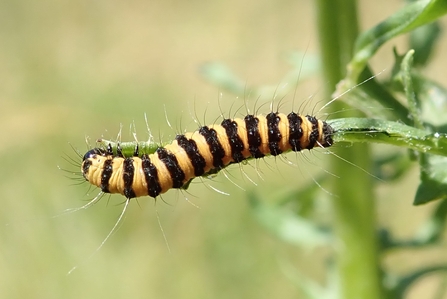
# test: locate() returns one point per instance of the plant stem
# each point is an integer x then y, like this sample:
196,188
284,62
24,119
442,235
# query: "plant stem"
357,249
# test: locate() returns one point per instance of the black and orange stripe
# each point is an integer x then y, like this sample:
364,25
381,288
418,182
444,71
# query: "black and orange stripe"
206,150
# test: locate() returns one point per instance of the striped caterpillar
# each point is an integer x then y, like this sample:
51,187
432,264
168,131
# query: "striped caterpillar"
204,151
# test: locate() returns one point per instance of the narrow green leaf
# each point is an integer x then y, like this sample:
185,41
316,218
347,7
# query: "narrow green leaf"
400,285
433,176
432,230
310,288
222,76
428,98
413,103
303,66
302,200
408,18
288,226
433,98
389,132
392,166
422,41
371,98
428,234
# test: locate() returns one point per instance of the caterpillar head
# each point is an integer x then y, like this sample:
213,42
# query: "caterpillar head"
92,159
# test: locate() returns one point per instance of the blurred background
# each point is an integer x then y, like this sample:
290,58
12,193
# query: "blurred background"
71,70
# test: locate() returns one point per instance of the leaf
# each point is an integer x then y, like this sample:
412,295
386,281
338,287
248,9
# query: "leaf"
391,167
413,103
432,230
303,66
428,233
408,18
433,168
288,226
371,98
400,285
422,41
310,288
220,75
433,179
433,98
389,132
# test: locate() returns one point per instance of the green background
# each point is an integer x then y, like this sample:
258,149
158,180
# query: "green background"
74,69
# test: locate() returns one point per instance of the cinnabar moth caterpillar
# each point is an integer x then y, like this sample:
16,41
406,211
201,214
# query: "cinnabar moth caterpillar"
205,151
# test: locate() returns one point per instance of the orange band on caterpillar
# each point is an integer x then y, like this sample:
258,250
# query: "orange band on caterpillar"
206,150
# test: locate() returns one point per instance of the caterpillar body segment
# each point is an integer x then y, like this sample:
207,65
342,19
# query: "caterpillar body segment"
202,152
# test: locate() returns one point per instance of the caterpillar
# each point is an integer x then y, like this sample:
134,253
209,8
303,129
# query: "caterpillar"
204,151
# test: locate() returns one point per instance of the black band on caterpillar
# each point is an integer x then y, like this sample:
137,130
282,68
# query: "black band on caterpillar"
150,176
190,147
236,144
274,133
205,151
295,131
253,136
214,145
128,174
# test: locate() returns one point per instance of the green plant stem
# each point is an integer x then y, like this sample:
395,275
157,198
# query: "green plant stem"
388,132
357,250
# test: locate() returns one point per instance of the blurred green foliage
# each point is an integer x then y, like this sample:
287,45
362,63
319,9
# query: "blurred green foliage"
71,70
